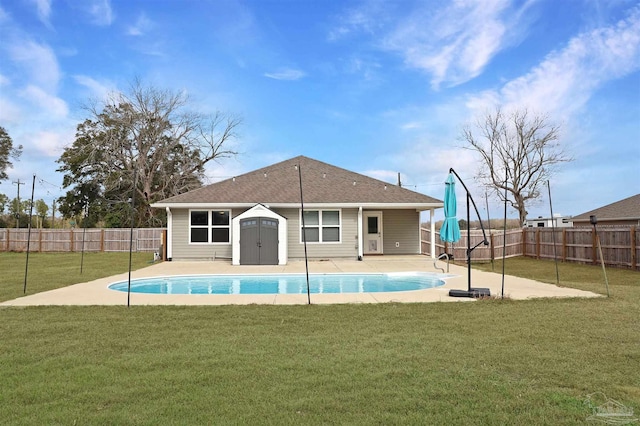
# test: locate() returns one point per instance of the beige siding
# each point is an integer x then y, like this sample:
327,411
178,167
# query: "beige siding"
400,226
183,250
403,227
348,247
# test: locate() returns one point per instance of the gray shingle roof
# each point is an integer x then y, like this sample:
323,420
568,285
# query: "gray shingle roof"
629,208
321,183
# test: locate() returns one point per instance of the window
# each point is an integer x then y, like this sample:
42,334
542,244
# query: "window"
321,226
209,226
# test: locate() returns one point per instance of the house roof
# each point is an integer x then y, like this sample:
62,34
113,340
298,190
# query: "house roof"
322,184
627,209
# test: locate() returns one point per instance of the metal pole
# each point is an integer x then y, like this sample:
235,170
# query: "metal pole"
84,232
594,220
468,245
133,216
553,227
504,232
484,235
304,235
486,199
26,267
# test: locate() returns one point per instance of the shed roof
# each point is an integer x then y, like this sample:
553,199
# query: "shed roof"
626,209
322,183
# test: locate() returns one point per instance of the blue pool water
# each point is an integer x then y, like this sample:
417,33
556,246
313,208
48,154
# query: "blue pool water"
282,284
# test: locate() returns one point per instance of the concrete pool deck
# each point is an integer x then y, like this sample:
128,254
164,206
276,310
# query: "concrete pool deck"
96,292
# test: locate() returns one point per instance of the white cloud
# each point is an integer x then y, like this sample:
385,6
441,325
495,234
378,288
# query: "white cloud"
44,11
98,89
566,79
49,104
99,11
286,74
9,111
4,16
39,63
50,143
141,27
369,18
452,41
453,44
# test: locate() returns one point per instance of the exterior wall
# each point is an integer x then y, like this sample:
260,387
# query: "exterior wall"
348,247
183,250
402,227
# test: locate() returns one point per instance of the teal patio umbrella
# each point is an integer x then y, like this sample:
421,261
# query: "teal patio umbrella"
450,231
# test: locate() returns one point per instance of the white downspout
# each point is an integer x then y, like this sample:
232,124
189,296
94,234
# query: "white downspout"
360,231
169,241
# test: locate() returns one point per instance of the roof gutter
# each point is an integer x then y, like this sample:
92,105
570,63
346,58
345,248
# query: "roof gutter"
417,206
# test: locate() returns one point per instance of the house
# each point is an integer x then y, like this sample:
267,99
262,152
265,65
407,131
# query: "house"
558,221
625,212
256,218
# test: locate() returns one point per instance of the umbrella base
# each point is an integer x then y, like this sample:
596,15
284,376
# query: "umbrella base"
473,292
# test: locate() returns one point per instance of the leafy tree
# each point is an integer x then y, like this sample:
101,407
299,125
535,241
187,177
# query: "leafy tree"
7,152
518,152
18,209
4,201
144,142
41,209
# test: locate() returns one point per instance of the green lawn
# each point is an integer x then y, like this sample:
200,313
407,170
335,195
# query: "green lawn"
490,362
48,271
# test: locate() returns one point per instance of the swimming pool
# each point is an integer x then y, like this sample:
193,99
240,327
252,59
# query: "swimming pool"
282,284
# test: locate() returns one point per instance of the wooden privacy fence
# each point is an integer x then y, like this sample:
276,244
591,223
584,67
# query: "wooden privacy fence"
90,240
495,248
620,245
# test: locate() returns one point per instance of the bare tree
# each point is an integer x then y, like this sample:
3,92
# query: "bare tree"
146,139
519,152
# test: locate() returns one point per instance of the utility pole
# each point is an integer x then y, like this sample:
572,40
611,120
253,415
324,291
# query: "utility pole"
399,182
18,206
53,214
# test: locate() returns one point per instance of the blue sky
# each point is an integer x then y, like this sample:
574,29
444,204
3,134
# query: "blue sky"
376,87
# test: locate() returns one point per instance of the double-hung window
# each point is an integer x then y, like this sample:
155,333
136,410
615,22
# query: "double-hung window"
321,226
209,226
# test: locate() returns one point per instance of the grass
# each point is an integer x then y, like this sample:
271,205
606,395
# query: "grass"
623,283
489,362
48,271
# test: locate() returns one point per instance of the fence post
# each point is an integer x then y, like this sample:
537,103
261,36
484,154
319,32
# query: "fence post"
524,242
537,243
71,248
594,246
633,248
564,245
40,240
102,240
8,232
491,247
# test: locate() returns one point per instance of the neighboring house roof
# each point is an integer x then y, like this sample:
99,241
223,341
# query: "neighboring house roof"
322,184
627,209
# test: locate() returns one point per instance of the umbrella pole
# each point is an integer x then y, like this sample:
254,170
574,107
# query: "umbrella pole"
553,234
471,292
468,246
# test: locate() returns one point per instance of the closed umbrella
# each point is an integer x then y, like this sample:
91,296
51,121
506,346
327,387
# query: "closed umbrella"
450,231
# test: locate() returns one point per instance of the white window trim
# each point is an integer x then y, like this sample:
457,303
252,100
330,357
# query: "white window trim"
209,227
320,226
